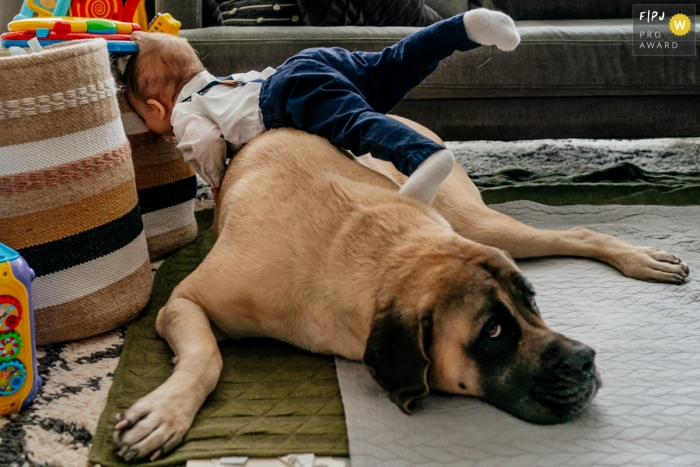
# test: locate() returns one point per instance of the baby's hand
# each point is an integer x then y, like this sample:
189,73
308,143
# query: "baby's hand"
215,192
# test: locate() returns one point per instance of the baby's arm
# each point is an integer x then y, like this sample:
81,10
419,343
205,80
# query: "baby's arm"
202,145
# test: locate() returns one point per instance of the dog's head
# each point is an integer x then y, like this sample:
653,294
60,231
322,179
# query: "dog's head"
464,320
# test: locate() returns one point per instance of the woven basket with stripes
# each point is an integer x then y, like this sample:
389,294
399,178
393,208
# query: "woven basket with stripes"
68,198
166,184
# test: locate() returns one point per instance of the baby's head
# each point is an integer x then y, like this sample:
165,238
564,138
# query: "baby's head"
155,75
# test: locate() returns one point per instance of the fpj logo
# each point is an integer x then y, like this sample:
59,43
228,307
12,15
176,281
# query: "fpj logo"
661,30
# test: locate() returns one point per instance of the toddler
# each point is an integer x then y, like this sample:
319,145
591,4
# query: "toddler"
330,92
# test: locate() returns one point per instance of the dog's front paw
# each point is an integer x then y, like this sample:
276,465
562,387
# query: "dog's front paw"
488,27
153,426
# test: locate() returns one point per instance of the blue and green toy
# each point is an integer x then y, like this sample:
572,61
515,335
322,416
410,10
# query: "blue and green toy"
19,378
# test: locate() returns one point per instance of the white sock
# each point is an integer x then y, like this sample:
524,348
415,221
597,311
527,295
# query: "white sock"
488,27
424,182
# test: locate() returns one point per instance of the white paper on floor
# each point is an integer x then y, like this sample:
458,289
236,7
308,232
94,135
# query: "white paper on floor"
647,338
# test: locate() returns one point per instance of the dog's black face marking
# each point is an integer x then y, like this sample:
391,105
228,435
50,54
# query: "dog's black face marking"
537,375
523,290
495,351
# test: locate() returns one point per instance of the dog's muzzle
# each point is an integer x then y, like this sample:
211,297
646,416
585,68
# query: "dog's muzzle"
568,379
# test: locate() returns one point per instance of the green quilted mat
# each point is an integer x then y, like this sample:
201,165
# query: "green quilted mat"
624,183
272,399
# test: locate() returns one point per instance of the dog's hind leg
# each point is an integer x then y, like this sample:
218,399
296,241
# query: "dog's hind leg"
472,219
458,200
156,423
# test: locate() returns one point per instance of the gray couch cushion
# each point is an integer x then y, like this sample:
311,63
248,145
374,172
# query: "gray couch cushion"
568,9
556,117
447,8
367,13
555,58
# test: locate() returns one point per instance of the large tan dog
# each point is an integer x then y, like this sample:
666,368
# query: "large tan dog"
319,251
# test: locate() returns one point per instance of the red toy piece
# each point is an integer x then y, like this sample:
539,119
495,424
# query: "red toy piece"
53,36
10,313
130,10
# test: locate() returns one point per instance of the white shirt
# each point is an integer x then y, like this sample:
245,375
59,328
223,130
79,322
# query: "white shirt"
223,116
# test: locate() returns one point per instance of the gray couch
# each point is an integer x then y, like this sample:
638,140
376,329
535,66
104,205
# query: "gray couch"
568,78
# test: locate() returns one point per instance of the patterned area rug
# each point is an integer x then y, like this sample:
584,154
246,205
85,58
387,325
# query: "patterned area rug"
57,429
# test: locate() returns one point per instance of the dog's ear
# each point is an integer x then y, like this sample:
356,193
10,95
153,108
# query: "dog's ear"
509,256
396,356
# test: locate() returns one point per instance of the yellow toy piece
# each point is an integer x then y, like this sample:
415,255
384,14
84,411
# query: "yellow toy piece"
123,28
141,17
32,24
10,286
165,23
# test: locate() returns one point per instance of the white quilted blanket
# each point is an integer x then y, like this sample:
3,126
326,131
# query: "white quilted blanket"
647,338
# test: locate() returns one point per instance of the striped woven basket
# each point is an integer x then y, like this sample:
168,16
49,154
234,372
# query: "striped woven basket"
67,191
166,184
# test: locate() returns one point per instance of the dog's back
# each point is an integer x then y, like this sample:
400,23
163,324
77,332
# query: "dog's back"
271,166
303,236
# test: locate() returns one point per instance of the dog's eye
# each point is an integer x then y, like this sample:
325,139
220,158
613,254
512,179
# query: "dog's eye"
494,331
533,305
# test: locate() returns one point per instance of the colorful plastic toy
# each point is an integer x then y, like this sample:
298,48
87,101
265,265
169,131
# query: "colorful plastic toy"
108,19
19,378
52,30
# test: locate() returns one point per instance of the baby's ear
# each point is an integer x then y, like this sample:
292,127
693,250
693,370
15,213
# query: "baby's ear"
159,107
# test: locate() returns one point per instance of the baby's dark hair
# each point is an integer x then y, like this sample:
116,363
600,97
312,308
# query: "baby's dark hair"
162,66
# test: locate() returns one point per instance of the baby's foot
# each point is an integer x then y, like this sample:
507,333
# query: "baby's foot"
424,182
488,27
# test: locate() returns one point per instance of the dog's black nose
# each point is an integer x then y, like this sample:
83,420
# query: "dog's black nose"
569,355
579,359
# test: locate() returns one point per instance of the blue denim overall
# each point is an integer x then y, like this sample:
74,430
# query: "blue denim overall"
344,96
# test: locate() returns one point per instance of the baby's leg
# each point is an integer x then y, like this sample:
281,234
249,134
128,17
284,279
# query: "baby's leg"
343,96
316,98
396,70
387,76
